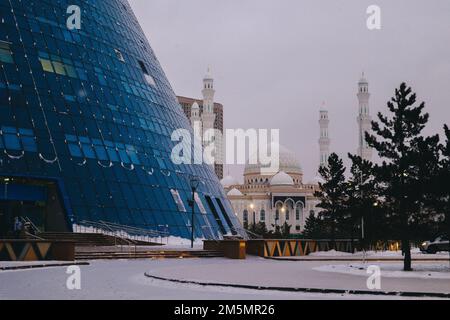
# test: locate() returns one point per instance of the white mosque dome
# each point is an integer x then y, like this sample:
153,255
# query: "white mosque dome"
288,162
228,181
195,105
234,192
282,179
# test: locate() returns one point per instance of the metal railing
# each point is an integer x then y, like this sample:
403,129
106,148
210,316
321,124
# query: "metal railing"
129,234
26,220
253,235
246,234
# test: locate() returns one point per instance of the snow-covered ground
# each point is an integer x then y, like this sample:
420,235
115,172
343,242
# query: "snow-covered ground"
331,253
416,253
125,279
393,270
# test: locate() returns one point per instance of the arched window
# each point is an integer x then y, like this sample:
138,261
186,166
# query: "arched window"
245,216
277,215
262,215
287,213
299,212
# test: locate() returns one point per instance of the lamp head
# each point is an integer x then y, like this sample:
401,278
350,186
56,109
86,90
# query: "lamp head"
195,181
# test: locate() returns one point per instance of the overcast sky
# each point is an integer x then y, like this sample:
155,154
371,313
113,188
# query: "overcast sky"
275,61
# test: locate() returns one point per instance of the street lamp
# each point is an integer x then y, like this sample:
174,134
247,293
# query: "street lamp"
194,182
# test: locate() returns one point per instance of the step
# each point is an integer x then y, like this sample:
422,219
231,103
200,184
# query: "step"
91,239
147,255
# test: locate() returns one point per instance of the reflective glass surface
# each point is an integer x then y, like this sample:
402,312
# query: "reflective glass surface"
93,109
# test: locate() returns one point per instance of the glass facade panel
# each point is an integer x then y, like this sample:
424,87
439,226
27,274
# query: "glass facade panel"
93,110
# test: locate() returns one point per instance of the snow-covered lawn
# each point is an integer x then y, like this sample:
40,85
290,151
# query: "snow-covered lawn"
331,253
393,270
416,253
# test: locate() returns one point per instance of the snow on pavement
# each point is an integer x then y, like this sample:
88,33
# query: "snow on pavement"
125,279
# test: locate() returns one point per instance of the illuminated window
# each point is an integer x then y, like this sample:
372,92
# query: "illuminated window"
262,215
59,68
46,65
28,140
18,139
5,52
119,55
11,138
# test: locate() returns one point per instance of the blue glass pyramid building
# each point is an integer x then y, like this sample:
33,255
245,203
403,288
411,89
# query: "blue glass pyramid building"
86,117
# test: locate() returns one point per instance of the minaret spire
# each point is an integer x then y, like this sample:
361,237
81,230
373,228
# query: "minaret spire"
209,117
364,119
324,140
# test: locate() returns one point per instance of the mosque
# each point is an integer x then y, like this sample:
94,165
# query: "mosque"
282,196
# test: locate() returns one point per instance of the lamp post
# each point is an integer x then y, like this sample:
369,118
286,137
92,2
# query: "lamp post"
194,185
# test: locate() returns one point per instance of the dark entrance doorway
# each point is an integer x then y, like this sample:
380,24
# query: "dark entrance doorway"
33,199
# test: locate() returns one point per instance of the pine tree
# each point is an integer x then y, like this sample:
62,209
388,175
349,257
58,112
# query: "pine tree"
276,232
314,227
332,193
261,229
286,230
425,188
443,183
361,200
397,140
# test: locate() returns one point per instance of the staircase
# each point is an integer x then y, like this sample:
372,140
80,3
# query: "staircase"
130,253
91,239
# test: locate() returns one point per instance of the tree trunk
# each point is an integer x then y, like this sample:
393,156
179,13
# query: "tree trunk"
406,248
333,235
352,235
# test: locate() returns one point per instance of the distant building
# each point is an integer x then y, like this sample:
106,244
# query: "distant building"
208,114
282,196
274,198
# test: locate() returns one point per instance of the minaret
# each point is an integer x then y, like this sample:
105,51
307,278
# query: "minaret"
208,92
208,116
364,119
195,116
324,141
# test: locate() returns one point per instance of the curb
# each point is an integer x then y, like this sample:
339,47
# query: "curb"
309,290
39,266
